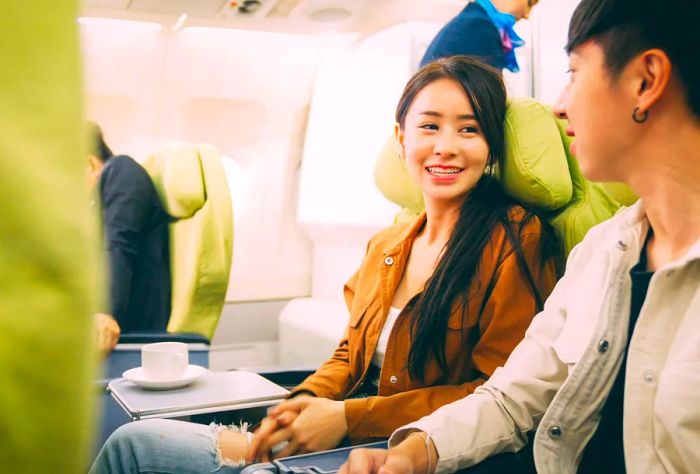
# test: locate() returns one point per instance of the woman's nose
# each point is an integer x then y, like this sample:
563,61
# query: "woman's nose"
445,143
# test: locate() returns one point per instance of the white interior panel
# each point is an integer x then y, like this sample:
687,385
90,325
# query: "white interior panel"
351,118
258,91
123,61
246,92
551,62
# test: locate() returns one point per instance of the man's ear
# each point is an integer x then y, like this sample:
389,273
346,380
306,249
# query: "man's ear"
398,139
652,74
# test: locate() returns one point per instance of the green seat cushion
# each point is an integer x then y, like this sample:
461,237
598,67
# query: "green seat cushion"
192,183
621,192
176,172
535,171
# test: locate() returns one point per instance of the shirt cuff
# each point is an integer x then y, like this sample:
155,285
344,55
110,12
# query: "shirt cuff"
355,411
448,451
305,387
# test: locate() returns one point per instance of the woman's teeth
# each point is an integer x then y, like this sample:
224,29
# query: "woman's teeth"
443,171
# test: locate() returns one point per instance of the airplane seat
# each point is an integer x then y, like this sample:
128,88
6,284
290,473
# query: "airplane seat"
191,182
539,171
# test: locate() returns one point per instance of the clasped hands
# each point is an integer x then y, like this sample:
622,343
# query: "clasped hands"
308,424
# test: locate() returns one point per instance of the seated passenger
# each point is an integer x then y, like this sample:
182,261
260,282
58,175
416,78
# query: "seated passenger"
436,306
608,373
136,240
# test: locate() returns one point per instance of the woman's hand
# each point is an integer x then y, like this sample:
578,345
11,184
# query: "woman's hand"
271,433
309,424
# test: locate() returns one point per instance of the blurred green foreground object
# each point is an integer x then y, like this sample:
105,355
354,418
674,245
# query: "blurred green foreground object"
46,243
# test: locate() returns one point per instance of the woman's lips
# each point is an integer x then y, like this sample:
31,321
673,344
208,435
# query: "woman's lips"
444,173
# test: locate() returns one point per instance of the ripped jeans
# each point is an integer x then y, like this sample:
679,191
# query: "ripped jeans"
165,446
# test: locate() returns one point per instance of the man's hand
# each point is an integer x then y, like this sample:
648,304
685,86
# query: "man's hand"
309,424
377,461
408,457
106,332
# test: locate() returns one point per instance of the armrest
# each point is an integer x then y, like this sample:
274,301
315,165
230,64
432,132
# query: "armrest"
314,463
286,378
149,337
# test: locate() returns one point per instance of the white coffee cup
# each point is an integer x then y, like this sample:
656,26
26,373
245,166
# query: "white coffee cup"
164,360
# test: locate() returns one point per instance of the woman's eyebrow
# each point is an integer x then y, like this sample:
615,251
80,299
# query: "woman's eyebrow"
438,114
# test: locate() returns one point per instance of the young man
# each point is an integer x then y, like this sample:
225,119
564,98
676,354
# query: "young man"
484,28
609,372
137,243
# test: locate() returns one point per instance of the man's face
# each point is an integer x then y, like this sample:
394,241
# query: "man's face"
598,109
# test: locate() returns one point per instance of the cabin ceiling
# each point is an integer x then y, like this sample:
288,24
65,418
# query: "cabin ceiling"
302,16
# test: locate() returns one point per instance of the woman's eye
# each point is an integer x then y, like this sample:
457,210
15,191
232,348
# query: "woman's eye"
469,129
428,126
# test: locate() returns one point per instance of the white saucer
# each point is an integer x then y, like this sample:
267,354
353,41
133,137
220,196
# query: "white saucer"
138,377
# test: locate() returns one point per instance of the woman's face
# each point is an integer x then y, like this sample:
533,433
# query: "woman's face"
442,142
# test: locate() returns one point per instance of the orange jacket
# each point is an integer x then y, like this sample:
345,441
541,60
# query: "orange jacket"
475,346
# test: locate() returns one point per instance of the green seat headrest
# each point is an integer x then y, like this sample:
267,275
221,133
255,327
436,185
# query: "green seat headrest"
176,171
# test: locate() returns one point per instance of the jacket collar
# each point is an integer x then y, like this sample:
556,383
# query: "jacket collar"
407,234
634,220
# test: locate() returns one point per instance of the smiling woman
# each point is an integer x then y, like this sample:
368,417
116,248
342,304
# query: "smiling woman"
450,132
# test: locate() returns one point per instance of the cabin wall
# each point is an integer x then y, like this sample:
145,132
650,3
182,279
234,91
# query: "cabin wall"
550,30
246,92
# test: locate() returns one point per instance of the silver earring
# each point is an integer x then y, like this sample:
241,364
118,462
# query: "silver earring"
640,118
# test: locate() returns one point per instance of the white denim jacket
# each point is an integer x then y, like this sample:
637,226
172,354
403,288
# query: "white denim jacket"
558,377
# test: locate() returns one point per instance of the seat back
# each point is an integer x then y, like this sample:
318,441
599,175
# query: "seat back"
191,183
538,171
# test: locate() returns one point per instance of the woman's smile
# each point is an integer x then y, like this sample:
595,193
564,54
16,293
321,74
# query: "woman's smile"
444,174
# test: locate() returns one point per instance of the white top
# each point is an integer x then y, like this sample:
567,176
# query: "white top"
378,357
561,373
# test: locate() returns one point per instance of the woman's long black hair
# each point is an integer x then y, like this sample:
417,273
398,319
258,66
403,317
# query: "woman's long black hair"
486,207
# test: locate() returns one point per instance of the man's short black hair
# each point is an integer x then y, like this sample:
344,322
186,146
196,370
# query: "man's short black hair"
98,147
626,28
